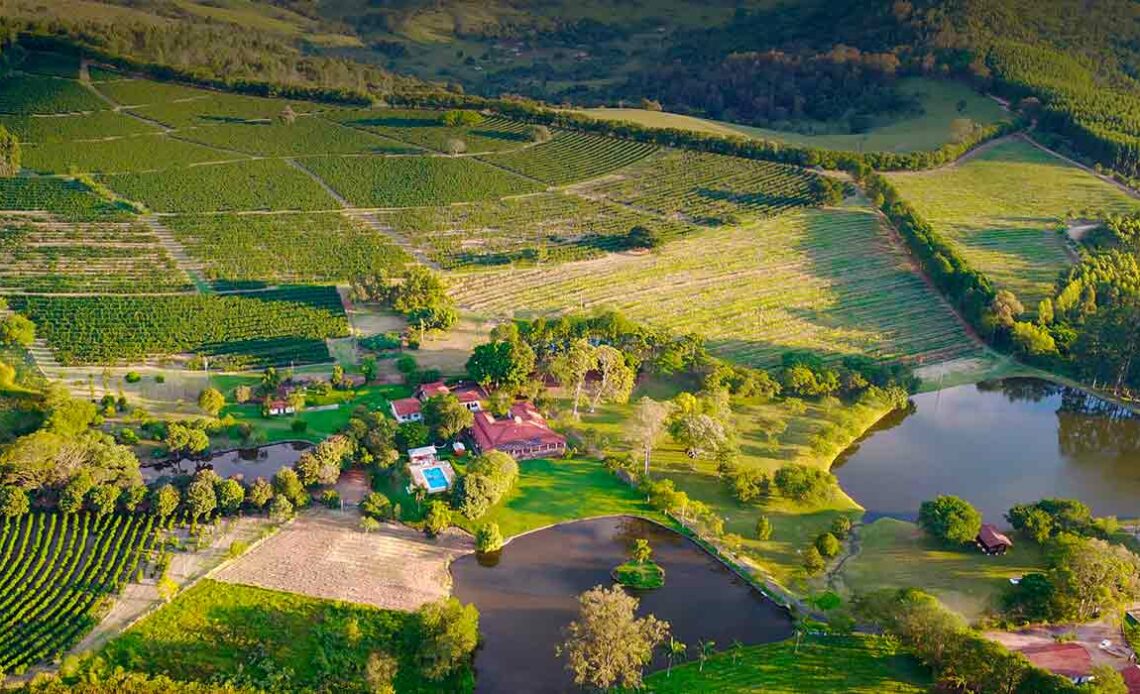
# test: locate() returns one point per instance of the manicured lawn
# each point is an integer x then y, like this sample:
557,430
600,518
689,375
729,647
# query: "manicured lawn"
321,424
895,554
1006,209
281,642
930,130
553,491
854,664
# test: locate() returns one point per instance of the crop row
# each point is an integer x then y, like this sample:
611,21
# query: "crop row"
831,281
306,135
138,153
68,199
424,128
21,94
710,188
51,64
294,247
69,128
57,573
572,157
412,181
550,227
202,108
262,184
275,327
39,256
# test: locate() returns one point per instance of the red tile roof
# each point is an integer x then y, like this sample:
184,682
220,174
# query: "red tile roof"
405,406
1065,659
1131,675
429,390
525,427
990,536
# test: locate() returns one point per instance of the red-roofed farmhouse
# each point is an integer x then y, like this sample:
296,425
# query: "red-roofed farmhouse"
524,434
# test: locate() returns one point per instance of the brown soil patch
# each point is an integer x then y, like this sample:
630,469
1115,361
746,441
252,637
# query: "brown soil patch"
324,554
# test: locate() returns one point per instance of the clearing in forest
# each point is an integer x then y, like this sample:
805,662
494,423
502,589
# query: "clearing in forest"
832,281
1005,208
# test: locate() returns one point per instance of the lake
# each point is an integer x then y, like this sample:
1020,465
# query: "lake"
530,595
250,463
997,444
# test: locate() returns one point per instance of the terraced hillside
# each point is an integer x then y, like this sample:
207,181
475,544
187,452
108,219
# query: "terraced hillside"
56,573
828,280
1007,208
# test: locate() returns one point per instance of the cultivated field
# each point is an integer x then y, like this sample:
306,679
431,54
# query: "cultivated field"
67,199
423,129
1006,208
56,573
306,135
122,155
832,281
324,554
290,247
44,254
572,157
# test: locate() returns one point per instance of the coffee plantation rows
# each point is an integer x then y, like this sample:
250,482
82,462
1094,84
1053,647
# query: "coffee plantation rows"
549,227
411,181
138,92
572,157
127,154
261,184
67,199
285,247
306,135
710,188
46,255
273,327
830,281
56,574
69,128
48,63
22,94
425,129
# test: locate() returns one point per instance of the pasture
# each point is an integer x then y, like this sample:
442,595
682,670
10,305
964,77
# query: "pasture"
57,574
48,255
290,247
549,227
832,281
251,636
941,103
380,181
858,664
260,184
1006,209
272,327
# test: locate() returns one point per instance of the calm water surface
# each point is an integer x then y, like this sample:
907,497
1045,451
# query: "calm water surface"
998,444
250,463
531,595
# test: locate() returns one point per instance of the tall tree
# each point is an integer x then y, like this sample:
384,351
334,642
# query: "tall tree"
571,367
615,377
647,425
608,645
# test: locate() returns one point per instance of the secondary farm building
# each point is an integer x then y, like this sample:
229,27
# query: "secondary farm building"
1065,659
992,541
524,434
410,409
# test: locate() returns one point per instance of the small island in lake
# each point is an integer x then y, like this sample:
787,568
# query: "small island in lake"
640,572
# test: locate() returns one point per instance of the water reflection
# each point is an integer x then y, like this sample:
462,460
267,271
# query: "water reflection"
249,463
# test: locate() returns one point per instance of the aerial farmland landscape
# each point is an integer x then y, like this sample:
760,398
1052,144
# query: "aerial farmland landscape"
511,346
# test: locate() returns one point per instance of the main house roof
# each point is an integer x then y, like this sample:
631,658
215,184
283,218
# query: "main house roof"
524,427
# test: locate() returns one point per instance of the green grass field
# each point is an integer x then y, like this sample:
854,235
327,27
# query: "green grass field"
555,491
896,554
262,184
292,643
860,664
828,280
410,181
930,130
1006,209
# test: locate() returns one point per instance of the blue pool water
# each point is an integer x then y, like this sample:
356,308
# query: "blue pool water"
435,479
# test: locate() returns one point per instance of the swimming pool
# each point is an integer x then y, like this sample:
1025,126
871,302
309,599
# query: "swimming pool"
436,480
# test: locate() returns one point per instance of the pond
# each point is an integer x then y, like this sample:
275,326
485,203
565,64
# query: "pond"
997,444
530,596
250,463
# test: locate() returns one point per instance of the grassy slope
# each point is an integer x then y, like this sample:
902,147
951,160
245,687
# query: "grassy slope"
857,665
895,554
215,630
1005,207
831,281
927,131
